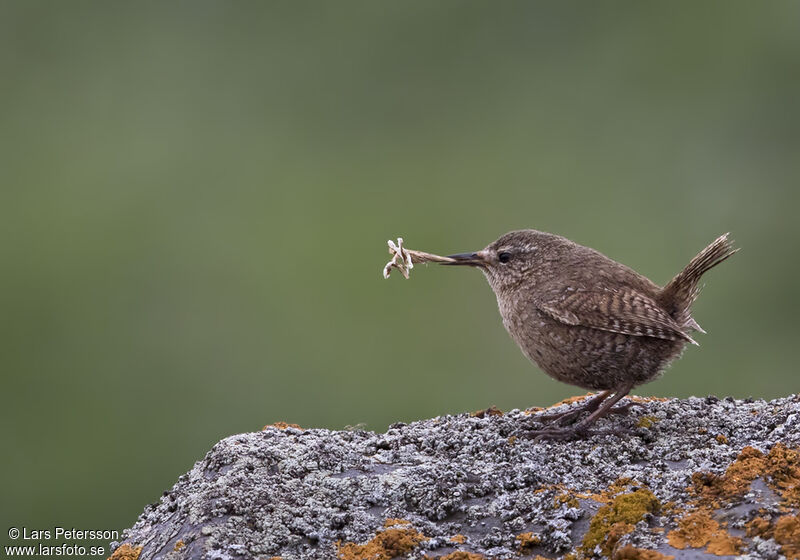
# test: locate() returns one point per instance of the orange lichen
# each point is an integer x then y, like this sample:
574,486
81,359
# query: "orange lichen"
394,521
630,552
385,545
547,487
780,468
179,545
528,540
671,508
638,399
698,529
565,498
282,426
458,555
613,521
615,533
458,539
783,468
491,411
694,530
614,489
787,534
735,481
785,531
759,527
126,552
724,544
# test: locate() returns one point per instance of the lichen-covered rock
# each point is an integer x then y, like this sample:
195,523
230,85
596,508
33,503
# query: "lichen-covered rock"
697,478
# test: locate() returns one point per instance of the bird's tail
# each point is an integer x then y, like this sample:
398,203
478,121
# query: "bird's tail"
678,296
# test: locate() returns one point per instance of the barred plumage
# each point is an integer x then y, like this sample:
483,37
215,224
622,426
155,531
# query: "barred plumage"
586,319
677,296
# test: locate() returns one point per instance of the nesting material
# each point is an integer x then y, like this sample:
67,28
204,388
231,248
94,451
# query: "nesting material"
404,259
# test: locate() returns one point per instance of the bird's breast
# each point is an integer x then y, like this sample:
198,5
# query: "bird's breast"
526,324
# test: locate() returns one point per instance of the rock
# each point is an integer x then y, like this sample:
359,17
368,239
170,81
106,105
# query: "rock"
686,479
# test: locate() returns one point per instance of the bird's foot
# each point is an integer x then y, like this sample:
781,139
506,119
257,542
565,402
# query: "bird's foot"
576,431
553,434
598,406
569,417
561,418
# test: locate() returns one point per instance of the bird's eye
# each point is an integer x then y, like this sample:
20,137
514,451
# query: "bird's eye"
504,257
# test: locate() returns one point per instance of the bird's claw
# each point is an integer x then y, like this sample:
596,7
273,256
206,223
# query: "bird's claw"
560,418
558,427
565,418
567,433
554,434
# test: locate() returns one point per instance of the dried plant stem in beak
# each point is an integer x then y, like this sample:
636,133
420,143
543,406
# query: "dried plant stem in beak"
404,259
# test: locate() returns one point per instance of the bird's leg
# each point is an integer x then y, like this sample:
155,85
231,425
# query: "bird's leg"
580,428
563,418
605,409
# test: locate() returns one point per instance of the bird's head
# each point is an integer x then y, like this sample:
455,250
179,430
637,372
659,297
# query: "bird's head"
516,257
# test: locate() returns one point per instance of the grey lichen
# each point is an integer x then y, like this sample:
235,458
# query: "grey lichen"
465,483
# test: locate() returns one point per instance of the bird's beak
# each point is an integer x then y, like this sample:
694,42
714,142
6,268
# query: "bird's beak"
467,259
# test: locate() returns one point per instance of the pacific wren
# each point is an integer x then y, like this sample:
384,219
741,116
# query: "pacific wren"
588,320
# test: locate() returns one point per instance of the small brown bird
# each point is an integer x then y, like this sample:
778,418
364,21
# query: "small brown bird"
588,320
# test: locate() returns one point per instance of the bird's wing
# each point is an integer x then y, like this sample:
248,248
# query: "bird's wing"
621,311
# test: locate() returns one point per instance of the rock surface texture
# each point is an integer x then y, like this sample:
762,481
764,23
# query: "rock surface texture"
688,479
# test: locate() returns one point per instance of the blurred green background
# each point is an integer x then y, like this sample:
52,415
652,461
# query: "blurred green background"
196,198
